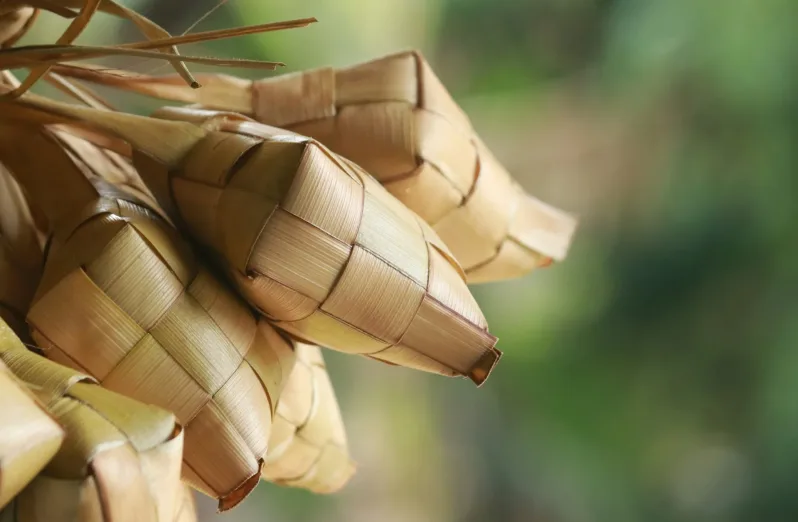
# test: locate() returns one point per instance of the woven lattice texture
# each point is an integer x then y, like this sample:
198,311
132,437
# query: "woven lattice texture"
20,253
120,459
308,447
30,436
393,117
123,299
319,247
14,21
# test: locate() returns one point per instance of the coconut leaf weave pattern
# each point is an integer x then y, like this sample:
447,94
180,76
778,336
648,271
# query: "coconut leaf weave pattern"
394,118
120,459
308,446
320,248
123,299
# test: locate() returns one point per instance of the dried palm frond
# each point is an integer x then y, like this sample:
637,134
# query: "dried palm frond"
32,55
29,437
393,117
123,299
80,20
307,448
21,245
120,459
36,55
17,15
309,238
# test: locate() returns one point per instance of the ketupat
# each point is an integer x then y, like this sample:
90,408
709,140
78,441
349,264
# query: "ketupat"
120,459
322,249
307,446
303,232
394,118
322,471
123,299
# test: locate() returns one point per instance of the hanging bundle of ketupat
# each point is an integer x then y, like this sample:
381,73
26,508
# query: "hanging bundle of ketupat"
180,271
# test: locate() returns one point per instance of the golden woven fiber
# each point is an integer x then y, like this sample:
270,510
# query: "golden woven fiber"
123,299
309,238
393,117
307,448
29,436
20,254
120,459
319,247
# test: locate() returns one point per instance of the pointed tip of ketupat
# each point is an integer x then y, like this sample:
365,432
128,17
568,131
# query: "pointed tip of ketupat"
235,497
484,367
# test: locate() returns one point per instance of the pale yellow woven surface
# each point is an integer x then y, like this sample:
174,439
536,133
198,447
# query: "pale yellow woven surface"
308,448
394,118
123,299
120,459
319,247
355,270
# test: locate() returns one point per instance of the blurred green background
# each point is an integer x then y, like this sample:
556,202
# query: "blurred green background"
653,376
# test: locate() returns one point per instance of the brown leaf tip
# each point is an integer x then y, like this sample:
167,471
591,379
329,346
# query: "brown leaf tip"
235,497
483,368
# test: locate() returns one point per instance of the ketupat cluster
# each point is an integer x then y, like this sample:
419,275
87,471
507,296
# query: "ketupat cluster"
394,118
180,270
